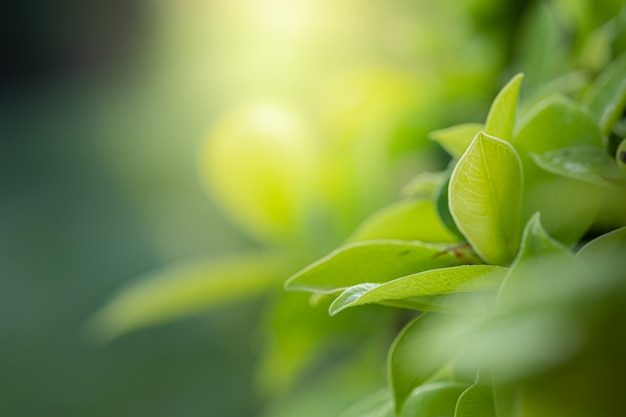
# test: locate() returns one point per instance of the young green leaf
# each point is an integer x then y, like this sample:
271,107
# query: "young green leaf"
464,278
183,290
536,242
417,354
620,157
414,219
434,399
554,123
606,97
456,139
583,162
604,245
532,327
485,196
373,262
477,400
558,123
501,117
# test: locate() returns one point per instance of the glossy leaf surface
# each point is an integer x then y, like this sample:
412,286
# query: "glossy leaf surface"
370,262
586,163
465,278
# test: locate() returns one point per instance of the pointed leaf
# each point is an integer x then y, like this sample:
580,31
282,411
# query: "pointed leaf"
464,278
606,97
416,355
184,290
456,139
373,262
405,220
477,400
501,117
584,162
485,198
612,243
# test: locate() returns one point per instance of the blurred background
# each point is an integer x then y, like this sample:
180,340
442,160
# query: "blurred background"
104,106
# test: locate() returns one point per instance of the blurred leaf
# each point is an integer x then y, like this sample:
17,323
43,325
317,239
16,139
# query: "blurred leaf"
477,400
533,327
465,278
543,50
568,84
434,399
561,120
370,261
456,139
536,243
607,244
620,157
485,198
296,351
259,163
405,220
606,97
184,290
415,357
586,163
501,117
376,405
566,215
424,185
443,208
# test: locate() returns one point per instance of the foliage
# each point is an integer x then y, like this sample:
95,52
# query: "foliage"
512,257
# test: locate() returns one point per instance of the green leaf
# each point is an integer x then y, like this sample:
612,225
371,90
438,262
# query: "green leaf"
554,123
434,399
456,139
558,123
424,184
485,198
477,400
536,243
501,117
620,157
184,290
376,405
584,162
442,199
373,262
259,163
405,220
416,355
606,97
532,328
465,278
600,247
